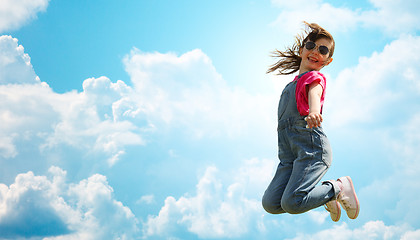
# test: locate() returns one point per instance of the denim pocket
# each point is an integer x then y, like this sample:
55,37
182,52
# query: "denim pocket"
325,147
313,142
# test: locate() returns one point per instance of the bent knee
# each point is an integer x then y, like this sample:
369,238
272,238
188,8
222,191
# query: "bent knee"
271,206
293,205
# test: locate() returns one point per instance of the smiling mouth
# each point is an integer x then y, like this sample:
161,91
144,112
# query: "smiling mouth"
313,60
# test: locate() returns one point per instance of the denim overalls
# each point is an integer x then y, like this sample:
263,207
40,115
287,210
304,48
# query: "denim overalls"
305,156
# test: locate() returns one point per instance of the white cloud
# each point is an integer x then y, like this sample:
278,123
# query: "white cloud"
404,140
15,64
15,13
86,121
319,217
26,113
148,199
41,206
30,206
373,230
216,211
7,148
94,120
411,235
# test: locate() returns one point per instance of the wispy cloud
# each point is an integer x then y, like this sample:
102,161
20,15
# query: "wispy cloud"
392,17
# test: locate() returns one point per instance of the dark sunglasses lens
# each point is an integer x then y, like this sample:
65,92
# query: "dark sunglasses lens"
310,45
323,50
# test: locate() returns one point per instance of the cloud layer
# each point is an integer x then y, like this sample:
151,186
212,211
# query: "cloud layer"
168,92
106,117
184,95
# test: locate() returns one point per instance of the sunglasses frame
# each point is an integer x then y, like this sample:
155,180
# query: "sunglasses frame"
321,48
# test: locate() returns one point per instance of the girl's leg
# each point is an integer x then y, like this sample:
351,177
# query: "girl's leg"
302,193
313,160
272,197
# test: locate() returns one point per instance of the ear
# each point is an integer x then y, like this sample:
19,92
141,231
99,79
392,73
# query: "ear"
328,61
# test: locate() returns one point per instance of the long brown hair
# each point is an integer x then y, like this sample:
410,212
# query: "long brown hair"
290,59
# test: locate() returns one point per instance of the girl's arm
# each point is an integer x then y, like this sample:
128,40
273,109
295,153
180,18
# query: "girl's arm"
314,118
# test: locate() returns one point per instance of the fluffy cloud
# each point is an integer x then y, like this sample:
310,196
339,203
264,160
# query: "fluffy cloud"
187,91
93,120
15,64
216,210
37,116
15,13
25,107
41,206
380,87
32,114
29,208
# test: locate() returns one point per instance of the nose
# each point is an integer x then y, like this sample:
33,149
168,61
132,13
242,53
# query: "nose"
316,50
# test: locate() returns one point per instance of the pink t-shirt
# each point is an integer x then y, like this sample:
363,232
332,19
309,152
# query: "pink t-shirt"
301,92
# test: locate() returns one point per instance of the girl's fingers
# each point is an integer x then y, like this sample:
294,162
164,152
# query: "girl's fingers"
314,121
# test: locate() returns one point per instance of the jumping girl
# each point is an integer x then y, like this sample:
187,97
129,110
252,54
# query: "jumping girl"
303,148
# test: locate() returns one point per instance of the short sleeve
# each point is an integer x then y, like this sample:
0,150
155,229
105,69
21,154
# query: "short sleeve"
301,93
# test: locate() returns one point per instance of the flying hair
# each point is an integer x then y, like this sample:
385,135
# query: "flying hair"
290,59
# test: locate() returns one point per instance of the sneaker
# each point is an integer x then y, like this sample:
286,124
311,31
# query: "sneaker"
335,210
347,198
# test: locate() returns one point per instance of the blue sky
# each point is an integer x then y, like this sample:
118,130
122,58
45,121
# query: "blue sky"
156,120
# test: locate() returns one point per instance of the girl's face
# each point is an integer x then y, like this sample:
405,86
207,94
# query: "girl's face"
313,59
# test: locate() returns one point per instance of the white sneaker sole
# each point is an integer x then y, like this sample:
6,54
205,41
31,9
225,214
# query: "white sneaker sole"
337,207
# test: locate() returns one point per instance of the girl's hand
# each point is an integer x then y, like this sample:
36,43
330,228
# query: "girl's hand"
314,120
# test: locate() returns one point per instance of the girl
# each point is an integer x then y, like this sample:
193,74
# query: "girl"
304,150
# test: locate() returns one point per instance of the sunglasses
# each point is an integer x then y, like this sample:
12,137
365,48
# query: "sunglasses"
321,49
